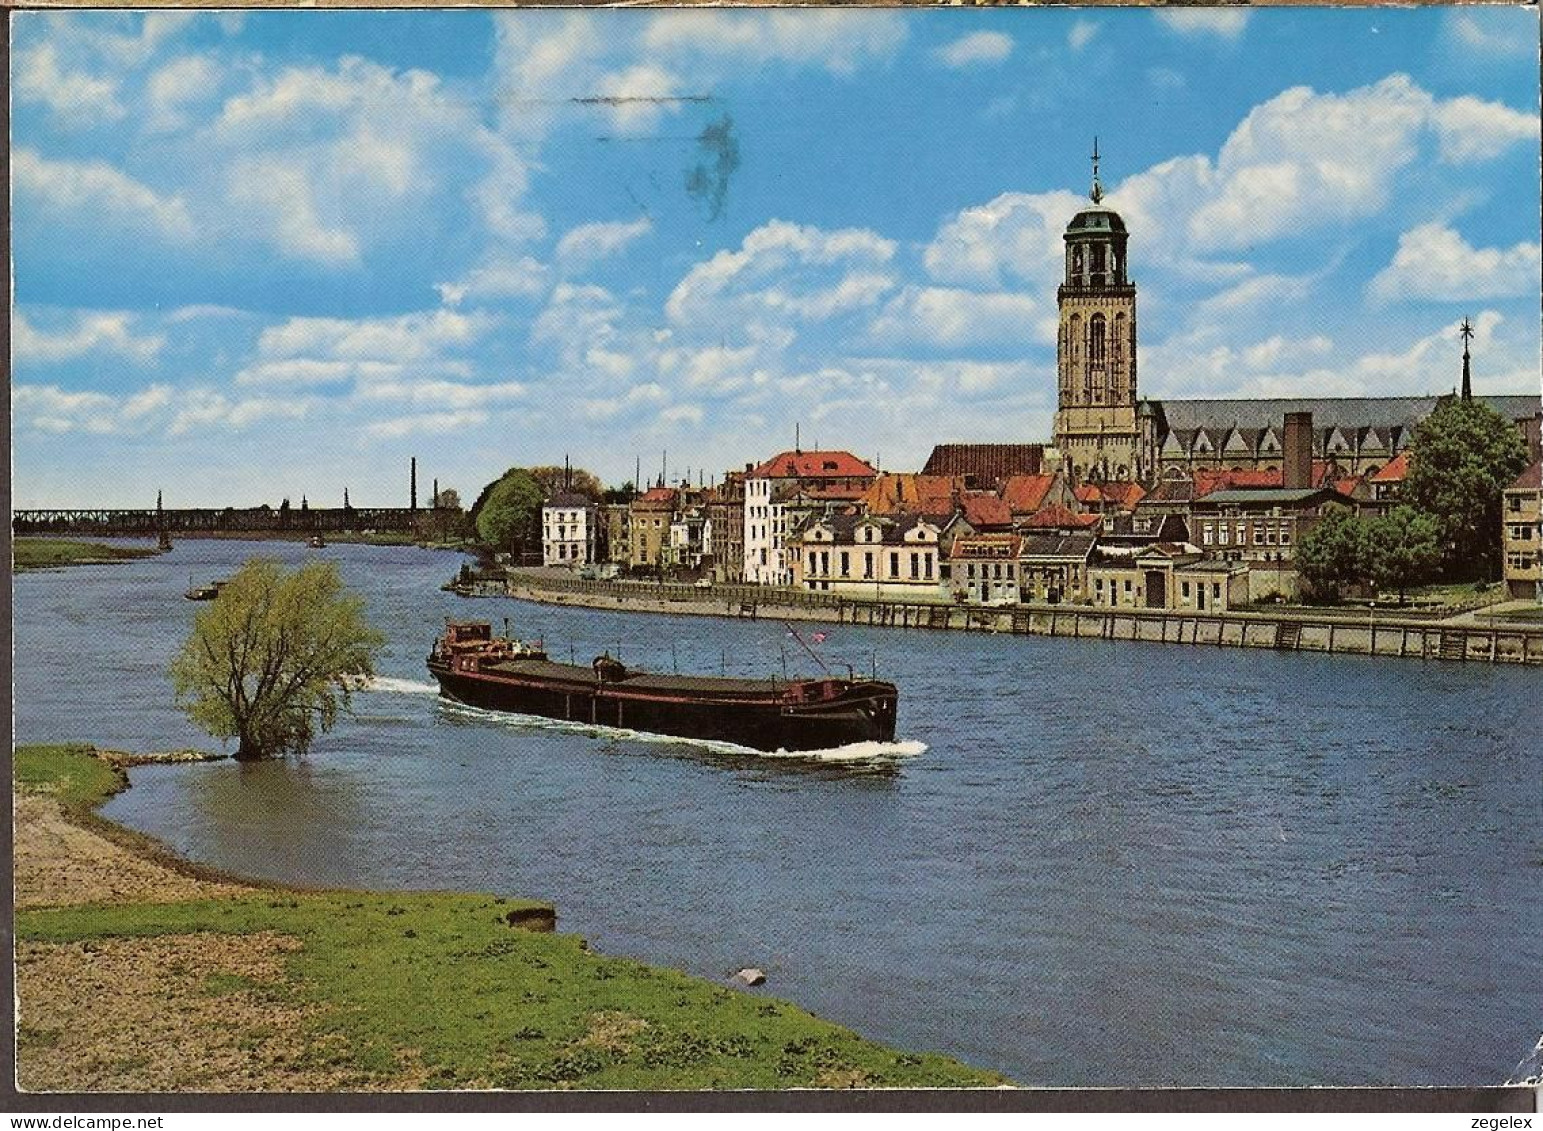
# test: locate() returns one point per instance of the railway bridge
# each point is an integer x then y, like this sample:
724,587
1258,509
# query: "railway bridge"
149,523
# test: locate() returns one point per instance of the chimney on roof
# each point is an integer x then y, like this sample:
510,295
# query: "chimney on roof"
798,444
1297,457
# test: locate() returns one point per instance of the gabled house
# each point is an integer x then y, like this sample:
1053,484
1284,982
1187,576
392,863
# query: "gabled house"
873,556
1053,567
983,569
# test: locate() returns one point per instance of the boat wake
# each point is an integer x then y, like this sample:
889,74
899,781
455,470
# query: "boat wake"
391,686
856,753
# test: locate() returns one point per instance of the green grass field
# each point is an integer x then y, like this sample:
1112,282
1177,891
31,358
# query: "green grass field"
443,982
49,553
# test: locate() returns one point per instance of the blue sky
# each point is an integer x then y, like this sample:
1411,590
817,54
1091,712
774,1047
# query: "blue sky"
275,254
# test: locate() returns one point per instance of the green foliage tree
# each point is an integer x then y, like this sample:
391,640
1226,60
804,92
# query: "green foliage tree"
1330,554
1463,456
510,515
270,661
1401,549
577,480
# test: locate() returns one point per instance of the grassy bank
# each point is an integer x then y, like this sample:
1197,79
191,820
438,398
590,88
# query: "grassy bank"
288,990
49,553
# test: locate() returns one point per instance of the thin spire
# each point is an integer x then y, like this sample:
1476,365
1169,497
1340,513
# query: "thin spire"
1466,330
1098,189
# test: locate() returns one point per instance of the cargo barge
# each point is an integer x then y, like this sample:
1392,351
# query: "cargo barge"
474,667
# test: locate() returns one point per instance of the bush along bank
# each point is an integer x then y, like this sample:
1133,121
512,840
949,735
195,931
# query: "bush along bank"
265,989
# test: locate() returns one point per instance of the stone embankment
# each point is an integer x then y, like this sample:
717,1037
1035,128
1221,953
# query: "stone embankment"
1374,633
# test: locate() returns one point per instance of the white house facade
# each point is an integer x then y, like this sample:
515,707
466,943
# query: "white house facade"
569,524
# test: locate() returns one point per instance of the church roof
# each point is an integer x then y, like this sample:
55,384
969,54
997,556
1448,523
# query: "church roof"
1185,417
1095,220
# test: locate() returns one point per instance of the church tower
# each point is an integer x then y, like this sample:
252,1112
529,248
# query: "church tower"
1095,421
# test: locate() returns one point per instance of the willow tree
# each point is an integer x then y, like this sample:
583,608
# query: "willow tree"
270,661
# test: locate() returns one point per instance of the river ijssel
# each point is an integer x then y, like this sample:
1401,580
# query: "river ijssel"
1111,864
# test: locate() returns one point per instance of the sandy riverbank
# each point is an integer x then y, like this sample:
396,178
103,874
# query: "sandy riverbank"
139,971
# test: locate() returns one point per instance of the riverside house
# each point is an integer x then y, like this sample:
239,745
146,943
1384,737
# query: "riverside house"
1167,575
892,557
1521,517
782,487
652,513
570,527
984,569
1053,567
1260,524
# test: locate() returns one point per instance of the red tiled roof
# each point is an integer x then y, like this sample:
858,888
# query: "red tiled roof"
832,491
987,464
656,498
985,511
986,546
1395,471
1222,479
1123,495
813,465
1025,494
930,494
1347,486
1531,479
1058,517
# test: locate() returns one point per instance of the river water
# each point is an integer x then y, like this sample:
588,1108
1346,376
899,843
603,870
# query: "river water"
1086,862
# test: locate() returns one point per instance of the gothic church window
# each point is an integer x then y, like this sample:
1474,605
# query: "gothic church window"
1097,339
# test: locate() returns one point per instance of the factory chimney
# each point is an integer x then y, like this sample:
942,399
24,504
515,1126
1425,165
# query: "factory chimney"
1297,459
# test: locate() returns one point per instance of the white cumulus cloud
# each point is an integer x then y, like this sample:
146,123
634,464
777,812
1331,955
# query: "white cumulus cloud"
589,243
1434,262
104,332
1221,23
980,48
786,272
74,98
88,192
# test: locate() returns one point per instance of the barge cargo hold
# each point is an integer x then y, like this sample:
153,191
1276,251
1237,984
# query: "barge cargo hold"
474,667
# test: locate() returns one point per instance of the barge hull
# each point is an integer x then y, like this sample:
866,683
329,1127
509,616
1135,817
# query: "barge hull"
865,712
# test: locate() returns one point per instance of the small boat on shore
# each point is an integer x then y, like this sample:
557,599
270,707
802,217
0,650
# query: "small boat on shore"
316,542
474,667
203,592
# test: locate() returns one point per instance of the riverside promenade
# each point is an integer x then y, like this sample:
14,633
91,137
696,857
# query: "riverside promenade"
1379,633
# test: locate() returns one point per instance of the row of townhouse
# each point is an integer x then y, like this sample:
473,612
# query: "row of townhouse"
989,527
1224,539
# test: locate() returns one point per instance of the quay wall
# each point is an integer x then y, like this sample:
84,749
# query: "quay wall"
1385,635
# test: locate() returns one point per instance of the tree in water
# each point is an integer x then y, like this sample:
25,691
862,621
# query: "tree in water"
270,662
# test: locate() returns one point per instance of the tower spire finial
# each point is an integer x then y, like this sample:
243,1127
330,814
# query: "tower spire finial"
1466,330
1098,189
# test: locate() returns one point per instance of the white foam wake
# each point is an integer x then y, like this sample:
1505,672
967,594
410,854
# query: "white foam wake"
853,752
391,686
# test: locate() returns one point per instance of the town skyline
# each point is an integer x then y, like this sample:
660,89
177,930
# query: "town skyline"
277,254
